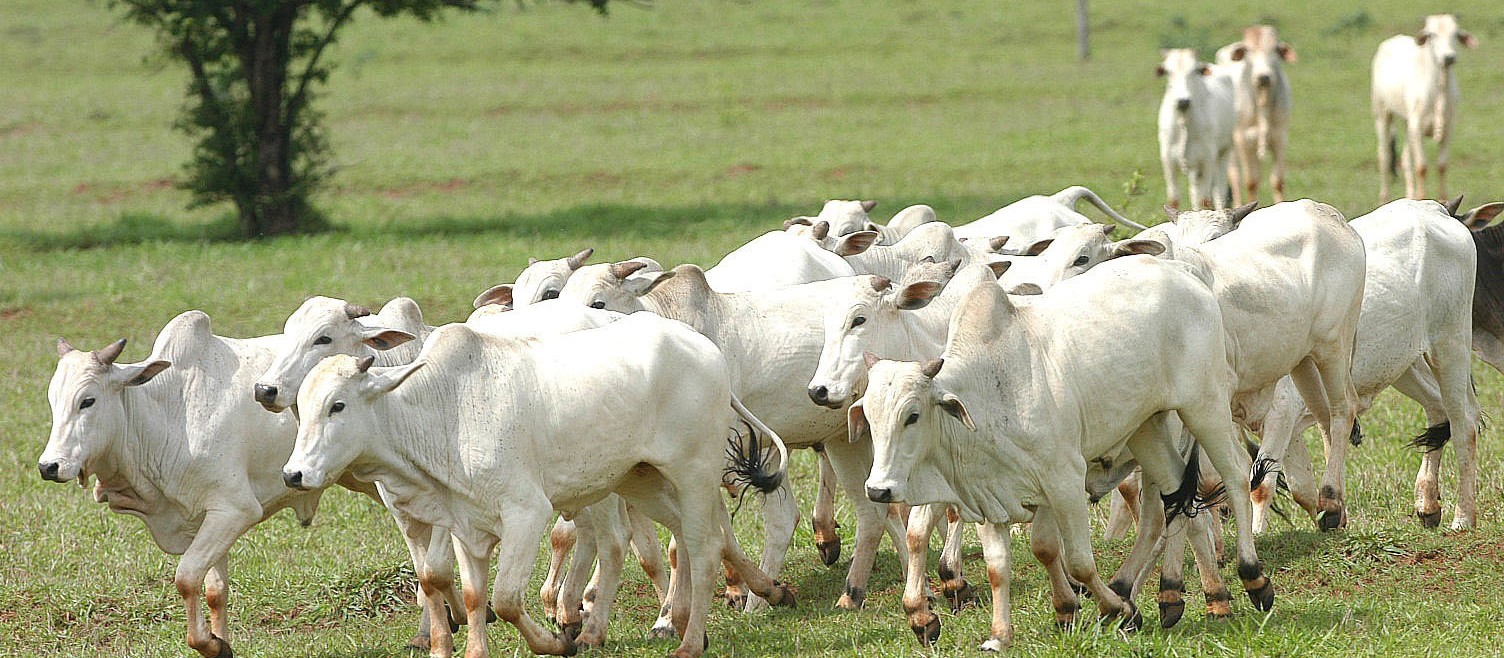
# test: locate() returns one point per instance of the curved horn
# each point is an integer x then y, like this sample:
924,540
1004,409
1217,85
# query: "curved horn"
107,354
365,363
626,268
931,368
578,260
353,311
63,347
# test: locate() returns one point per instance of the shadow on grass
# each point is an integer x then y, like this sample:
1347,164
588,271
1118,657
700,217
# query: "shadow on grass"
583,221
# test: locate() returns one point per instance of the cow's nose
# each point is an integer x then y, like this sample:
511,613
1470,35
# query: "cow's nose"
266,394
49,470
819,394
1183,104
293,480
880,495
1263,80
1449,60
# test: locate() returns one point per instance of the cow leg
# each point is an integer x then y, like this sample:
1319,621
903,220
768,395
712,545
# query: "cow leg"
827,541
780,520
650,558
517,549
217,595
1219,438
1044,543
997,550
210,547
952,577
561,540
1123,508
852,463
923,520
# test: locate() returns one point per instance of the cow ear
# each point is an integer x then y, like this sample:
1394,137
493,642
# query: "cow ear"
137,374
855,243
381,338
856,423
867,206
501,294
385,382
1037,247
952,405
1238,53
643,283
1467,38
999,267
1136,247
1480,217
1286,52
578,260
918,295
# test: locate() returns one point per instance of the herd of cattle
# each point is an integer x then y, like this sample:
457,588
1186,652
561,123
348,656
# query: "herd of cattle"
1010,370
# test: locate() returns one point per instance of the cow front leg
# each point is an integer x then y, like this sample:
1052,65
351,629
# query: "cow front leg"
209,549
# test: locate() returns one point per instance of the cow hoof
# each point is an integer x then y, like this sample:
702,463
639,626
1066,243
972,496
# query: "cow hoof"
928,632
1170,613
664,632
1430,521
224,647
829,551
962,598
1263,597
783,596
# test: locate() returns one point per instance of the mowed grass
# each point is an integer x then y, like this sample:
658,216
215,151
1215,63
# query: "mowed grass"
680,131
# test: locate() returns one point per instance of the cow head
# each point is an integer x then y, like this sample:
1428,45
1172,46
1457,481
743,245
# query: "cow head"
337,403
88,410
1262,52
324,327
615,286
1182,72
1441,36
904,412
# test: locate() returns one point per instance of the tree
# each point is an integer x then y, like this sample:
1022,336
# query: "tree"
253,65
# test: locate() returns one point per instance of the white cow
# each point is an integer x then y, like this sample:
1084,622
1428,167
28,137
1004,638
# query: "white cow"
176,441
771,339
1034,217
1196,118
1046,406
1262,98
1415,333
1413,80
484,435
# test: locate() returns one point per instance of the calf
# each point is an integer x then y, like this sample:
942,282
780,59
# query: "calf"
483,435
1196,119
1414,80
1262,98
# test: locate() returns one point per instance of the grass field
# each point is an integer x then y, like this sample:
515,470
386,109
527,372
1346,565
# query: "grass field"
678,131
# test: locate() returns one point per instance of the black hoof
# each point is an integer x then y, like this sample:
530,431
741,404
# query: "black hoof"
829,551
963,598
785,597
1430,521
1263,597
929,633
224,647
1170,613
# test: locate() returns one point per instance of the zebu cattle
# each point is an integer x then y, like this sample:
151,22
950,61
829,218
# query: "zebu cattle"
1196,119
1415,333
484,435
1035,376
771,339
176,441
1414,80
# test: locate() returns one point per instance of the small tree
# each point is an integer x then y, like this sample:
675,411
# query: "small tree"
253,65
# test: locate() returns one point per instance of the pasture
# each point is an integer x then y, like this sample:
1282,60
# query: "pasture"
465,146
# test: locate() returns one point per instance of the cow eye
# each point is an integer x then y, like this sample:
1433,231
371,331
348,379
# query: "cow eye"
86,403
550,294
598,305
322,340
858,321
913,418
1081,260
336,408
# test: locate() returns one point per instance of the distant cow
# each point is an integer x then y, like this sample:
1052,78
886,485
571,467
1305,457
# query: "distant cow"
1262,98
1195,127
1413,80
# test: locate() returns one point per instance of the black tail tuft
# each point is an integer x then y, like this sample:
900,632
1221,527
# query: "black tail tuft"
1434,438
1356,436
1188,499
1262,467
749,466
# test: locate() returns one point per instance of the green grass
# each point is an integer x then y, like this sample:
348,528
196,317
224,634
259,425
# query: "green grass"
680,131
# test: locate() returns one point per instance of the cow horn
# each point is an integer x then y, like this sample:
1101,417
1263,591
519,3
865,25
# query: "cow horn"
63,347
931,368
1242,211
365,363
353,311
870,359
578,260
1453,205
820,230
881,283
996,243
626,268
867,206
107,354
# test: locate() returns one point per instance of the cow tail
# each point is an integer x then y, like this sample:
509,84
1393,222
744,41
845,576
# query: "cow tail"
749,466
